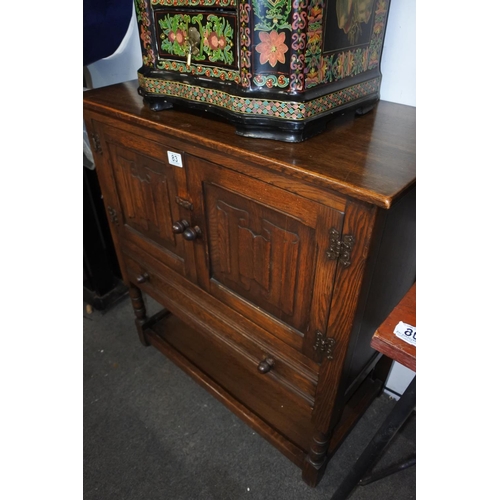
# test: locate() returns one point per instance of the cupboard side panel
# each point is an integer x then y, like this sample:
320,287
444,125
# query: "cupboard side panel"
107,184
394,273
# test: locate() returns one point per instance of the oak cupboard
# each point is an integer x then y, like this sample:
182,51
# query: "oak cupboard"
275,262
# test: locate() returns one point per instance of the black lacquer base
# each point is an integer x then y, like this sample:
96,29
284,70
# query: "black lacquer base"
299,133
264,127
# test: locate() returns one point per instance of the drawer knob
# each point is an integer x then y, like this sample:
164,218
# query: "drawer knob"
266,365
180,226
191,233
142,278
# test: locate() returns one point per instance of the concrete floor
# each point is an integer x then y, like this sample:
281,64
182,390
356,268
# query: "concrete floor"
150,432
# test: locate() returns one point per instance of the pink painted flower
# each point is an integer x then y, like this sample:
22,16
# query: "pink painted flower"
213,40
272,48
180,36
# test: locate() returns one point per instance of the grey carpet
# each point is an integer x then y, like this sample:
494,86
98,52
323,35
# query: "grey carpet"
151,433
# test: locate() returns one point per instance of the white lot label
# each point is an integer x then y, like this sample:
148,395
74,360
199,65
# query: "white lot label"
407,333
174,159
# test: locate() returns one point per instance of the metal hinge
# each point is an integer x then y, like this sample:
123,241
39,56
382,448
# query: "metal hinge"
324,344
97,142
113,215
184,203
340,248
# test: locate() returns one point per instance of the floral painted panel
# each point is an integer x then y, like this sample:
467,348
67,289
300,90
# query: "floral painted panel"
211,38
351,43
272,38
195,3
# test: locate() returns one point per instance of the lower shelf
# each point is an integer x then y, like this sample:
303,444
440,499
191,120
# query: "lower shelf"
156,333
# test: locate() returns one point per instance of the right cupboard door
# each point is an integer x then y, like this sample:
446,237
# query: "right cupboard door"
265,252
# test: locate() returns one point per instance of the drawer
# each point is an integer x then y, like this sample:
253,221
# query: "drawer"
265,380
303,371
202,37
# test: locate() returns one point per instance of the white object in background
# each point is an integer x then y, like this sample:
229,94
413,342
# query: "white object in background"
121,66
399,379
86,150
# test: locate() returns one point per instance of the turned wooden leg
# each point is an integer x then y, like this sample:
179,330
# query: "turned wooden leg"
315,463
139,311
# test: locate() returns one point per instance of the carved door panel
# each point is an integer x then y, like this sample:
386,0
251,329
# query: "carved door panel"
263,251
146,187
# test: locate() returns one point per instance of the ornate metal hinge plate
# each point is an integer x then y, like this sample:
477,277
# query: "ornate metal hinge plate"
324,344
340,248
113,215
97,143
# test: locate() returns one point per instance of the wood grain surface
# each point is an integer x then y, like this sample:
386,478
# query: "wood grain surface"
371,157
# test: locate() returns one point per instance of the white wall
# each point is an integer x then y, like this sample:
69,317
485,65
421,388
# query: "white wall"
398,63
398,68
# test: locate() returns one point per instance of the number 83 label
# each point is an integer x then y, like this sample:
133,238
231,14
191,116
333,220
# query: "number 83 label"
406,332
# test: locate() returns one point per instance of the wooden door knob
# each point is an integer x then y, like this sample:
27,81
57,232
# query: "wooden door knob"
266,365
191,233
142,278
180,226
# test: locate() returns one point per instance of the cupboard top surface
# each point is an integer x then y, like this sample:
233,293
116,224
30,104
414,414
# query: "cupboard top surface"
371,157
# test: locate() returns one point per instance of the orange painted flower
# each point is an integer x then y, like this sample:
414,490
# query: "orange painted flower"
316,11
272,48
145,36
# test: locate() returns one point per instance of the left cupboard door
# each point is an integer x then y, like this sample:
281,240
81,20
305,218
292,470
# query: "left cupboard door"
144,194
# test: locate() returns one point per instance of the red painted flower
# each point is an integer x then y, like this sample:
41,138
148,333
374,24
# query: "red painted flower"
272,48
